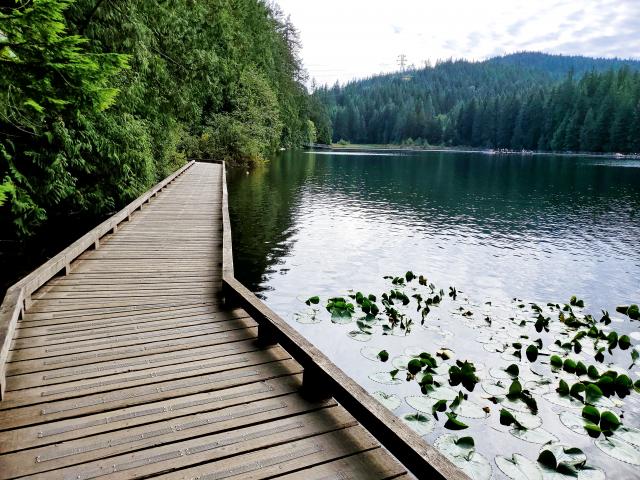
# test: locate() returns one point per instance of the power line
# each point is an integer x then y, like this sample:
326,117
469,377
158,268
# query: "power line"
402,61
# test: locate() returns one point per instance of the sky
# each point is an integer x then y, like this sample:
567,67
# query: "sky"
347,39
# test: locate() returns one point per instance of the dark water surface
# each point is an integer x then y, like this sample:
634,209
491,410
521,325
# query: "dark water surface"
501,226
539,228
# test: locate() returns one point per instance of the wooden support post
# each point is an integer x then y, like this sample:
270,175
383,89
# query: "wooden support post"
114,229
27,302
313,385
266,334
96,244
67,269
129,218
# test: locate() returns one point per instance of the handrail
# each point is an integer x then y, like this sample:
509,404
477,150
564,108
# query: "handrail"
321,377
18,296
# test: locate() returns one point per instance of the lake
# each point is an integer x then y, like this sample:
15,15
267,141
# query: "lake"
506,229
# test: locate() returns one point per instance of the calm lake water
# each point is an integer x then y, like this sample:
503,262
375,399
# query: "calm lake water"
536,228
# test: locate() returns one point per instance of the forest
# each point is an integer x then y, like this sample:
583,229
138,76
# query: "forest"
527,101
101,99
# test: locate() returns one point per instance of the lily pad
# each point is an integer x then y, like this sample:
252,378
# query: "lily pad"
385,378
388,400
574,422
359,335
494,347
536,435
464,456
492,338
619,449
540,369
413,351
421,403
442,393
538,386
518,467
371,353
495,387
628,434
566,401
584,473
307,318
516,404
401,361
445,353
341,319
527,420
502,373
565,455
421,424
470,409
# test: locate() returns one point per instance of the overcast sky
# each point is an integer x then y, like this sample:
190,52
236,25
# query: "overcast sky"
345,39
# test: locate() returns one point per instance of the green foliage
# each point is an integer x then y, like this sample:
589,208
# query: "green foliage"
53,91
312,300
99,100
542,103
339,307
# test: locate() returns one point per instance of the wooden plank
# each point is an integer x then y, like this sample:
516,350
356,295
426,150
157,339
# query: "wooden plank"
131,365
135,378
113,309
131,321
91,404
129,340
374,464
237,418
133,292
89,425
284,458
98,370
58,306
120,353
10,310
42,319
93,334
324,376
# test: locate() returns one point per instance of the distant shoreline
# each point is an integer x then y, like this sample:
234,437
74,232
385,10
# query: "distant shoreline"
409,149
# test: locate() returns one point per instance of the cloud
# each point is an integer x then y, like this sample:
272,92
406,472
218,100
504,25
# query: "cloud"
369,33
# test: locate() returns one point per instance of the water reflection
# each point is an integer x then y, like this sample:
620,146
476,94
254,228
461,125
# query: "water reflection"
537,227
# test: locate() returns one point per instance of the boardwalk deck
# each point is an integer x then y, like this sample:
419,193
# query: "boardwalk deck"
130,365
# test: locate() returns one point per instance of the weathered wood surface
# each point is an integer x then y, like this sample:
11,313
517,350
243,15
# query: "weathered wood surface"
132,366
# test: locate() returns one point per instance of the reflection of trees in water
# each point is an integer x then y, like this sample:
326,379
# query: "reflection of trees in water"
523,197
262,207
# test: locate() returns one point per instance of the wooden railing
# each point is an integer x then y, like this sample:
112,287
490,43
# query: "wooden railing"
322,378
18,297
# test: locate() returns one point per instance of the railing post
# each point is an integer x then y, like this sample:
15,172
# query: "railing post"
267,335
313,385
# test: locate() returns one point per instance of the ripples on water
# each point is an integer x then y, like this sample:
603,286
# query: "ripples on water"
497,227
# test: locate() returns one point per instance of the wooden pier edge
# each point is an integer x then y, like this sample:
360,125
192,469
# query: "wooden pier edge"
321,377
18,296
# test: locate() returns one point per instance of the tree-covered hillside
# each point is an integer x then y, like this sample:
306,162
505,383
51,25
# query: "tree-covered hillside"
523,101
559,65
100,99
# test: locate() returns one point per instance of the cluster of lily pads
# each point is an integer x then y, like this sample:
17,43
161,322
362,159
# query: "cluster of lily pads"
589,391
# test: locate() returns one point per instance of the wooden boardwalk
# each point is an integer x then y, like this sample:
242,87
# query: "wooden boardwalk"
132,366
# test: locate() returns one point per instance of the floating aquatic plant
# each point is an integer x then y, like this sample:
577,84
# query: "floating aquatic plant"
554,351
